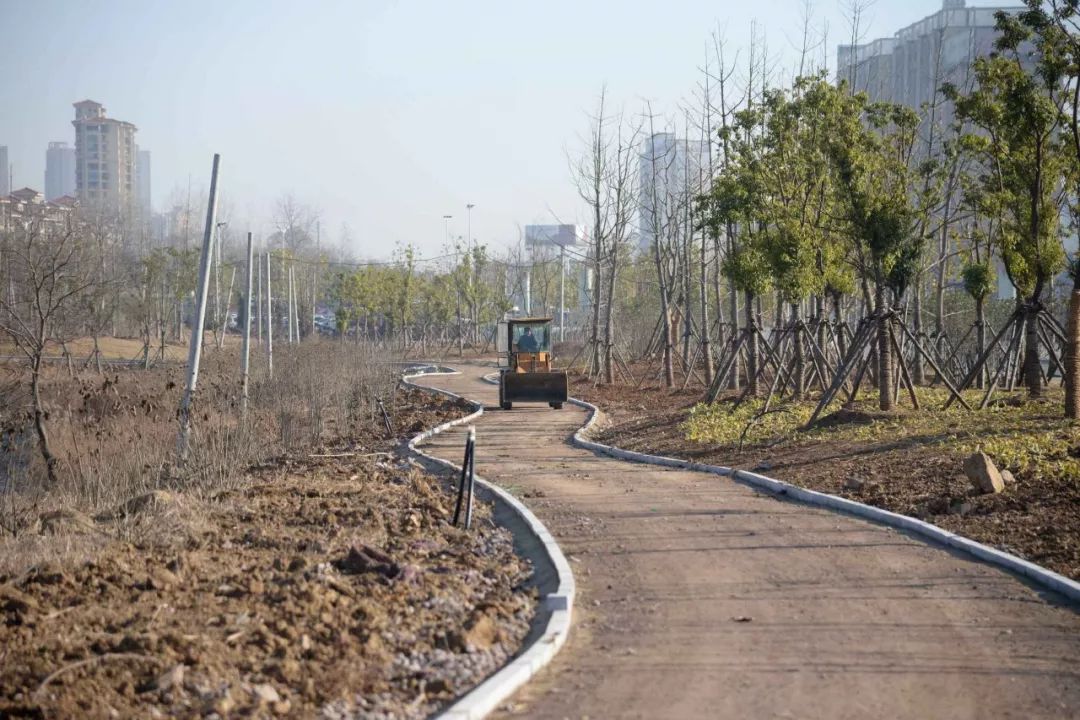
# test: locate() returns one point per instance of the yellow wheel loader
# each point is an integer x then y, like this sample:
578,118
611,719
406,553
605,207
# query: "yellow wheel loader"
525,374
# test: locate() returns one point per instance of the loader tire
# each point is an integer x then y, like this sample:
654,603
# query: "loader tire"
556,405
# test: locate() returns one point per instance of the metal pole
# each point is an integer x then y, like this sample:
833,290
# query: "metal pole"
217,279
195,348
288,303
269,321
562,293
468,479
472,476
295,305
315,273
258,304
468,225
528,291
245,366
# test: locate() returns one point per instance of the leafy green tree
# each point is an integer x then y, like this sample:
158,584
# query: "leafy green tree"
979,281
1020,145
1055,31
737,198
872,148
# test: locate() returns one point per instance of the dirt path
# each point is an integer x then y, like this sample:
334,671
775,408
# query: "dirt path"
699,597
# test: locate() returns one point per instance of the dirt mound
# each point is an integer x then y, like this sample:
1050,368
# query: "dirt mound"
330,587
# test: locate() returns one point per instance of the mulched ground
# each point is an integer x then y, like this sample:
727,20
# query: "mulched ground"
902,466
334,587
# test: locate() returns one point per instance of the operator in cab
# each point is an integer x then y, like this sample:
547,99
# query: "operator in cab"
527,343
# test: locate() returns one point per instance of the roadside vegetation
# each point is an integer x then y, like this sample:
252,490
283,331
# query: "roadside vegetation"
296,564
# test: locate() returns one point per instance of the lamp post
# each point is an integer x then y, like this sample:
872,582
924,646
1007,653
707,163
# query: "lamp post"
446,229
468,249
468,224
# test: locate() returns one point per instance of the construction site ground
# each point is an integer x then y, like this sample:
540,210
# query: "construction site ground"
700,597
325,584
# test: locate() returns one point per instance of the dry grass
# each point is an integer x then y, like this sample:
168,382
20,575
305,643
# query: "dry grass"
116,437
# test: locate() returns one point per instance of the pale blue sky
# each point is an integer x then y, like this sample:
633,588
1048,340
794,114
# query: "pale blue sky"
385,115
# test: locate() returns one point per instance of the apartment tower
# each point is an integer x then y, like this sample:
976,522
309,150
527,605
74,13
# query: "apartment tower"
104,158
59,171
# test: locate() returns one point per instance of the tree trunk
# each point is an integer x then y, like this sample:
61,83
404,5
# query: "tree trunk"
609,329
838,320
39,422
1032,371
884,353
980,340
819,313
460,332
733,299
665,318
918,371
706,331
799,356
751,346
594,323
1072,355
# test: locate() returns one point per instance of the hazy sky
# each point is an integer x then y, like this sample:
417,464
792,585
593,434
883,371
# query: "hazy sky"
383,115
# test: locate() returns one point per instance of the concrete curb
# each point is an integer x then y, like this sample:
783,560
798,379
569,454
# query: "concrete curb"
552,622
1036,573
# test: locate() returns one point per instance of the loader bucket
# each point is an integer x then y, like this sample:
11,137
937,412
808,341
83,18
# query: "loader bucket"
547,387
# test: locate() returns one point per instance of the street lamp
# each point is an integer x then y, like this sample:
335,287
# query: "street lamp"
468,224
446,229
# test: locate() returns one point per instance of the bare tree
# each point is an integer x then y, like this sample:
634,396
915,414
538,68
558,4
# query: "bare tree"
295,222
49,272
590,172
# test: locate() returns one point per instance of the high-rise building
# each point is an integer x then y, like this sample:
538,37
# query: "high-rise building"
104,158
670,171
142,180
911,66
59,171
5,172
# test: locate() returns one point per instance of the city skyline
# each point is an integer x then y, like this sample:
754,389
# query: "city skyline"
375,118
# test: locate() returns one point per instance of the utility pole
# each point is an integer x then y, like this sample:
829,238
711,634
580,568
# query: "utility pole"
528,291
562,293
195,348
315,274
468,225
475,317
258,304
288,304
269,321
295,304
217,278
245,364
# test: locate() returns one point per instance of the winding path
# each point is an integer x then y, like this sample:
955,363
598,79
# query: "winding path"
701,598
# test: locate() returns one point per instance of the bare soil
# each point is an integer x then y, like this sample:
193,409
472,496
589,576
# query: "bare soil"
910,462
698,597
330,586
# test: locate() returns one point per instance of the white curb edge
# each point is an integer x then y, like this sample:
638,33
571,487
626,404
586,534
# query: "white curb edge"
1036,573
557,605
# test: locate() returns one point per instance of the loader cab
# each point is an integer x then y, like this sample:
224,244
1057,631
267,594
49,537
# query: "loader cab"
525,345
524,348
